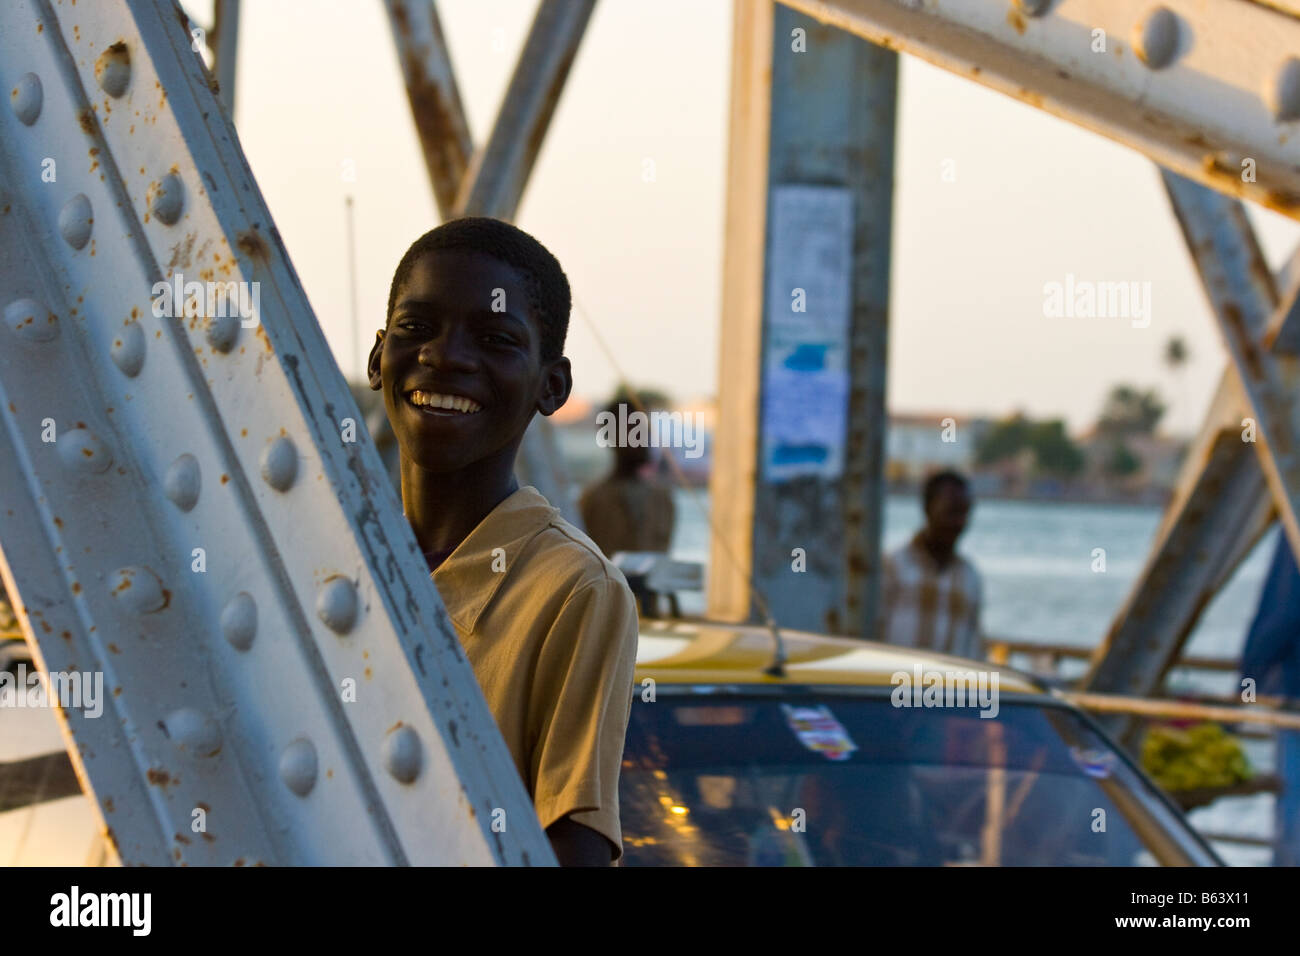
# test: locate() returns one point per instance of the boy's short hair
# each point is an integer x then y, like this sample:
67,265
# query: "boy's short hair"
549,297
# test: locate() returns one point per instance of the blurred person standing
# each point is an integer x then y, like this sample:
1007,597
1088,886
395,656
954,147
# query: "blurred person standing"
627,510
931,595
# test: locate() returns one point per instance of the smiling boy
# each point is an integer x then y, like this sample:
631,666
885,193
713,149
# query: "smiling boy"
477,316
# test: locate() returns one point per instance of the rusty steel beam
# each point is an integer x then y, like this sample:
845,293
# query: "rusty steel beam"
499,172
1209,89
1229,493
1219,510
1283,333
1240,288
225,51
434,96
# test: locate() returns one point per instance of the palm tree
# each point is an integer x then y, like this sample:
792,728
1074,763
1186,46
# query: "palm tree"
1176,356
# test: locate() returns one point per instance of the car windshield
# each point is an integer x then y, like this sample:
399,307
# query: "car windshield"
826,780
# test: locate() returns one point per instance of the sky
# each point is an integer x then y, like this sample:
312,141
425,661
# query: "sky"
1034,199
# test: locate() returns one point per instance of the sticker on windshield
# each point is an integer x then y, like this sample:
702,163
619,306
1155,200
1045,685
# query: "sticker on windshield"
1094,763
819,731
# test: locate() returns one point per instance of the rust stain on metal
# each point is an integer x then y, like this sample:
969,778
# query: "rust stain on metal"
115,55
86,118
181,253
160,778
252,244
1282,201
1016,20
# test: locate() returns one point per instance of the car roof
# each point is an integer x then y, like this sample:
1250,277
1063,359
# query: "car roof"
696,652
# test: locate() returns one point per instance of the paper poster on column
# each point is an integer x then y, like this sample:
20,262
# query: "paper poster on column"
809,299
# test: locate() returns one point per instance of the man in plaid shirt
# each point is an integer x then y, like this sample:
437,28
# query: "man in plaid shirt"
931,596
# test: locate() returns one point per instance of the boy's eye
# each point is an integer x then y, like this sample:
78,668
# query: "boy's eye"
496,338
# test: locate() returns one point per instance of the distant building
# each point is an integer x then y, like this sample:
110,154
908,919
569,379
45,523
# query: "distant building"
915,445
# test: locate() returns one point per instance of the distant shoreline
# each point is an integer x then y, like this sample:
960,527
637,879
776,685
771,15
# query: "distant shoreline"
1151,497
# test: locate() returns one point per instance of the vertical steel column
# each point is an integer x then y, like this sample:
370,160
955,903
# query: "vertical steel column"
811,107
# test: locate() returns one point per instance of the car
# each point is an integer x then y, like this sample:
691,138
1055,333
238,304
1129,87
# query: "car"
837,761
861,753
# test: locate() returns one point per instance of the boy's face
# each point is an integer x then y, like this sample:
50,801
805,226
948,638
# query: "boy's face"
445,339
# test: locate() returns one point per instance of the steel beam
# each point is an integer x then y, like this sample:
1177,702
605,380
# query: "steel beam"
1243,299
434,96
806,169
225,51
1283,333
1230,489
499,172
192,509
1219,510
1210,90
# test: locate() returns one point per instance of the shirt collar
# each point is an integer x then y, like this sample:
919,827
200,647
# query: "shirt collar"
466,580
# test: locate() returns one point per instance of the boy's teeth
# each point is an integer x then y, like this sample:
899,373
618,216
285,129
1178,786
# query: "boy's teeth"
452,402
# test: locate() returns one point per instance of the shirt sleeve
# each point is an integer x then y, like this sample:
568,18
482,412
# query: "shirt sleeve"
582,702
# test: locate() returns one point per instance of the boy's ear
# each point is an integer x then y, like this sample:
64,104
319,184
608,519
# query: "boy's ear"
556,386
372,364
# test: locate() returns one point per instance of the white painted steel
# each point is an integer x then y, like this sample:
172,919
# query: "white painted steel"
1199,88
224,684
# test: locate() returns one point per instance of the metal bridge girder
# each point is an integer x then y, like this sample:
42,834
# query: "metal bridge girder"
192,507
1244,300
1231,489
1208,89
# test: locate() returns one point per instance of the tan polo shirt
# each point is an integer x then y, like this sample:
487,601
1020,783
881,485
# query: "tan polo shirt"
550,628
